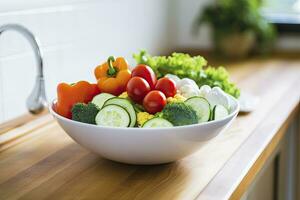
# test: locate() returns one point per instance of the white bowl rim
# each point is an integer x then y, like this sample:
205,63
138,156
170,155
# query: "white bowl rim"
234,112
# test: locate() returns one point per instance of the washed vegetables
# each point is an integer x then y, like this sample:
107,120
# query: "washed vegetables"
143,117
113,75
70,94
146,73
137,89
182,65
179,114
100,99
113,115
215,96
144,97
176,98
124,103
144,88
166,86
201,107
186,87
218,77
157,122
219,112
85,113
154,101
185,66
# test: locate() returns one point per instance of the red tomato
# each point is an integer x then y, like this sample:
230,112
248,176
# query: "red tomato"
145,72
167,86
137,88
154,101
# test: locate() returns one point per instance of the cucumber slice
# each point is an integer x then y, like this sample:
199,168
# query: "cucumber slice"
219,112
124,103
201,106
157,122
100,99
113,116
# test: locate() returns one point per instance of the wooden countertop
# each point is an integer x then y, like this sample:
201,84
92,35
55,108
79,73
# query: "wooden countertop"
46,164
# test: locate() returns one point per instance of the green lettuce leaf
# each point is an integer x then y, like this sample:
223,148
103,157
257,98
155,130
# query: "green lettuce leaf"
186,66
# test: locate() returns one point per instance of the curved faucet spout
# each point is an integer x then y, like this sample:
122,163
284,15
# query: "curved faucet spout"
37,101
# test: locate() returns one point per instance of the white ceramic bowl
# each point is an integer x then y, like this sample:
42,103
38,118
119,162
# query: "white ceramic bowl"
145,145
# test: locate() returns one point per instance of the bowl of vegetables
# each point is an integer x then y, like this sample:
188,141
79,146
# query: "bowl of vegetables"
139,117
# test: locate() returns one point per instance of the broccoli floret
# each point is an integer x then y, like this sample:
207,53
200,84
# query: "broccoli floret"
85,113
179,114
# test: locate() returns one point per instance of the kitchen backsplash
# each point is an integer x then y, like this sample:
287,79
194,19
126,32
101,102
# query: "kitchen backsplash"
75,36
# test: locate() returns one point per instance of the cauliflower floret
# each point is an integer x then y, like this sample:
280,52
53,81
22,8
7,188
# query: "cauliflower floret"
142,117
176,98
188,81
189,91
218,96
204,90
124,95
175,78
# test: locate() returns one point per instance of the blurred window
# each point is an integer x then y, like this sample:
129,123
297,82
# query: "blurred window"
283,13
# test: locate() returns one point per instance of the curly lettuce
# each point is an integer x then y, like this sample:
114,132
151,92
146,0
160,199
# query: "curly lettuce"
186,66
180,64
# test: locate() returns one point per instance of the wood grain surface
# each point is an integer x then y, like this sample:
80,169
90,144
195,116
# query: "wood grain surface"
47,164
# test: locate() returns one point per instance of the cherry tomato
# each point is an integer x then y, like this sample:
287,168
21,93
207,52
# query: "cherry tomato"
145,72
154,101
167,86
137,88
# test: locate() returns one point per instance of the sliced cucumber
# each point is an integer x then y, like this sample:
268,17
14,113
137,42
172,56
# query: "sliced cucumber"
100,99
219,112
113,116
201,106
124,103
157,122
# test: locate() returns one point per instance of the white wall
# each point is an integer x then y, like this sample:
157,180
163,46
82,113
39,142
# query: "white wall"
186,13
76,35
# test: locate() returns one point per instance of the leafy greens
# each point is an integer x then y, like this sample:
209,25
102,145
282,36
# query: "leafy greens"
184,65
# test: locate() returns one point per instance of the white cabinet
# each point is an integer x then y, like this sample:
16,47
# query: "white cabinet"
280,177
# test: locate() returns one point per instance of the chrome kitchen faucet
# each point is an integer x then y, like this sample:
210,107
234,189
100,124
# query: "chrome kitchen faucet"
37,101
